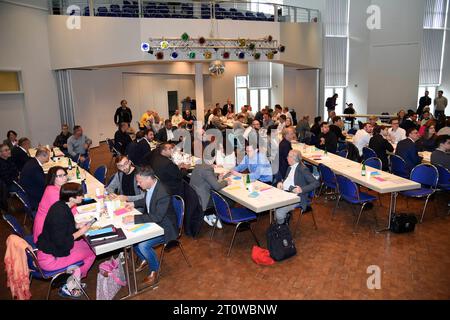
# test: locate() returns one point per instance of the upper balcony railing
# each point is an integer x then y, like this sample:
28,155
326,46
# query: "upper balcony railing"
234,10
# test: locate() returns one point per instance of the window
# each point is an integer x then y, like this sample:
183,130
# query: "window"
329,92
257,98
241,91
336,43
10,82
434,34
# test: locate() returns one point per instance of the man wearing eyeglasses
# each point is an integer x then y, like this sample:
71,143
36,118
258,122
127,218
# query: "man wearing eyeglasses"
123,183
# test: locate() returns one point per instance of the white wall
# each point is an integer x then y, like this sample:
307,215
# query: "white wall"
300,87
106,41
24,46
445,84
277,92
222,88
395,56
359,44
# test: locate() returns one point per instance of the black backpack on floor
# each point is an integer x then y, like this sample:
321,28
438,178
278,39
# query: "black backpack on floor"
279,242
403,223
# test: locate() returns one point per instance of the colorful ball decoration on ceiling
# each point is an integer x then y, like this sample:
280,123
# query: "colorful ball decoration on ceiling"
226,55
216,68
185,37
270,55
251,46
241,55
269,38
282,48
242,42
257,55
192,55
160,55
174,55
207,54
201,40
164,44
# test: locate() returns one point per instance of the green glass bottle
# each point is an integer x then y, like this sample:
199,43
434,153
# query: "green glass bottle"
363,170
247,182
78,173
70,164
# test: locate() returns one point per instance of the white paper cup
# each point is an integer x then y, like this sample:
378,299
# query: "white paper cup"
110,207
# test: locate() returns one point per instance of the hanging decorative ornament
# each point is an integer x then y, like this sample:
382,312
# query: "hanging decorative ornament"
251,46
145,46
257,55
269,38
164,44
160,55
241,55
192,55
269,55
275,52
226,55
216,68
174,55
207,54
282,48
201,40
185,37
242,42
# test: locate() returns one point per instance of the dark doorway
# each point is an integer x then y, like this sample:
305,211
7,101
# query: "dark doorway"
172,99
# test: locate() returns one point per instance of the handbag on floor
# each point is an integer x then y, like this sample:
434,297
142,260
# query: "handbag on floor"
279,242
403,222
111,278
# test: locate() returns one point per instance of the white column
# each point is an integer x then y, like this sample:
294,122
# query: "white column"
199,94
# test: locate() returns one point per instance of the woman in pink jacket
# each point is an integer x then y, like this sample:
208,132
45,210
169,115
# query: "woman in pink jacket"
57,176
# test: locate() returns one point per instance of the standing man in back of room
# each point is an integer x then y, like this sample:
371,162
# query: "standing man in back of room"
331,104
123,114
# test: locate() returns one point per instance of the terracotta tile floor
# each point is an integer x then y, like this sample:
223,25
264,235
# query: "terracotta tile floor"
331,262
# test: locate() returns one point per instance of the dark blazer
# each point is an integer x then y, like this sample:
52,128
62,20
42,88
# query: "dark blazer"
56,238
283,152
408,151
424,144
32,179
167,172
330,142
381,146
136,152
121,141
162,134
305,180
19,157
337,131
123,115
8,171
225,109
160,212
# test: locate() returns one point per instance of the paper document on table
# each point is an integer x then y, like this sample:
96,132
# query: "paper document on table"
231,188
139,227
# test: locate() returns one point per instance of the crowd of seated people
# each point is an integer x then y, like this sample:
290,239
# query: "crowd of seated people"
147,175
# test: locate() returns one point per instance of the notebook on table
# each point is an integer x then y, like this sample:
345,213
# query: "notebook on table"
107,234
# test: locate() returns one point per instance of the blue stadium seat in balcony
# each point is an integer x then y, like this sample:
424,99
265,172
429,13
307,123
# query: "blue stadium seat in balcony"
239,16
249,16
102,11
261,16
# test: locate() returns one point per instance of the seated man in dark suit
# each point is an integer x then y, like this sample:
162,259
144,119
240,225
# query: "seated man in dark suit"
158,209
283,151
32,177
441,156
327,140
166,133
299,180
8,170
166,170
20,154
133,148
122,138
407,149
